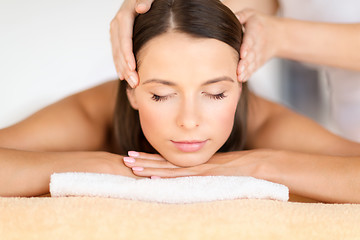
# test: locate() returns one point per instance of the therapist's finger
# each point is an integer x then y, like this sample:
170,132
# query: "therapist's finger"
246,57
121,42
121,28
142,6
116,53
244,14
129,64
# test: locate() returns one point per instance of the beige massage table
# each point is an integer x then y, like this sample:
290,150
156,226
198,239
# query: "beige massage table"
105,218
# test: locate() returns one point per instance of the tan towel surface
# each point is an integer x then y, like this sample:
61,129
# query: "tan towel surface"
104,218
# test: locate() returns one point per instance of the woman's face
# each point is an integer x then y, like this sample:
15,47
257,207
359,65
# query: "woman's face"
187,96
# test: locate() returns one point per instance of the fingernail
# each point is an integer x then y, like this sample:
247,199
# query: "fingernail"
133,154
155,177
129,160
131,81
137,169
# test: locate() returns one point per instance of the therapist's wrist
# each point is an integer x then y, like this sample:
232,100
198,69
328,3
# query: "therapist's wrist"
279,34
289,41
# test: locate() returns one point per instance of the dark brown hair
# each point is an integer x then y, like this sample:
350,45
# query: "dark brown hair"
199,19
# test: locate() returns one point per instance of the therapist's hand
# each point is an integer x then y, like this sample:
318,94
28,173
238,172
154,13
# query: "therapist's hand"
260,41
121,29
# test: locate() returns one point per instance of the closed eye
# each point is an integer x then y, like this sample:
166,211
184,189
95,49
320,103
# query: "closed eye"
219,96
158,98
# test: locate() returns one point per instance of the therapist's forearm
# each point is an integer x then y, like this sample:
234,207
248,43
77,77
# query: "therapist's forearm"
323,178
336,45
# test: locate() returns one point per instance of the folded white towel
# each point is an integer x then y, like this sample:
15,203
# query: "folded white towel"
165,190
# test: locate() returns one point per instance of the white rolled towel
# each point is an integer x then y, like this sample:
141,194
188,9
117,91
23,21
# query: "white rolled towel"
166,190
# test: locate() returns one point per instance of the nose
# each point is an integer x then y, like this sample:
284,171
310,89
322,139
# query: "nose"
188,115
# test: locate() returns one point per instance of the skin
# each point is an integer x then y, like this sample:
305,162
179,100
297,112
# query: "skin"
191,103
266,37
121,38
74,135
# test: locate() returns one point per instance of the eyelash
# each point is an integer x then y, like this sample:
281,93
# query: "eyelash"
158,98
219,96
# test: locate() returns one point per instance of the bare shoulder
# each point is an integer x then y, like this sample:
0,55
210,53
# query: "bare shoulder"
259,111
99,101
78,122
271,125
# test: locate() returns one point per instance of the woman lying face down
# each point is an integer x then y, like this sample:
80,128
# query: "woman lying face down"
187,117
188,97
188,106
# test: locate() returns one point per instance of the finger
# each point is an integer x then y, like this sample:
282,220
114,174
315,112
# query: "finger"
244,49
121,43
127,51
121,29
242,75
143,155
145,163
251,70
250,57
142,6
130,65
131,78
241,71
115,45
245,14
163,172
248,42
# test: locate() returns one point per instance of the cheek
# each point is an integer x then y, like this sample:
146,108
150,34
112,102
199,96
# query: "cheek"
154,120
223,121
221,117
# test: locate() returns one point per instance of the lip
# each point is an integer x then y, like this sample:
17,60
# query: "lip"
189,146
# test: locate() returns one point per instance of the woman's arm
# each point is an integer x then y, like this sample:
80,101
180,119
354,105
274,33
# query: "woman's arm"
79,122
310,160
271,125
27,173
286,148
59,139
307,158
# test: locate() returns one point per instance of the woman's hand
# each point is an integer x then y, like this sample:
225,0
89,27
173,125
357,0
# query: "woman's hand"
104,162
240,163
260,41
121,29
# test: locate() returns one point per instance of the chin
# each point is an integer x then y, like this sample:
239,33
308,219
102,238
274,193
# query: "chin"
187,159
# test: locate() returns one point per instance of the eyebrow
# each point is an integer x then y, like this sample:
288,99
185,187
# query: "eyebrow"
169,83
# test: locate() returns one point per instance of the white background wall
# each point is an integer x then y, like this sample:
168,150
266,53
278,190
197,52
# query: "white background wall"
50,49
